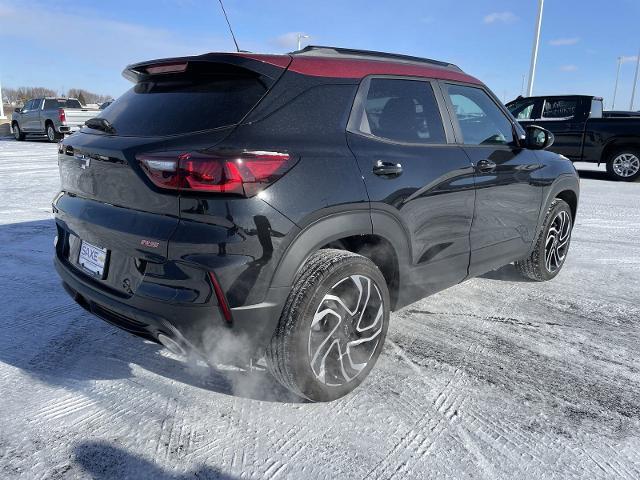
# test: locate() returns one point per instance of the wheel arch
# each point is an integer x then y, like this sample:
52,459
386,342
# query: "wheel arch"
379,237
571,198
618,143
565,187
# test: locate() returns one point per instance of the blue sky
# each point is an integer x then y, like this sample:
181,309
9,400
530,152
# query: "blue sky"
73,43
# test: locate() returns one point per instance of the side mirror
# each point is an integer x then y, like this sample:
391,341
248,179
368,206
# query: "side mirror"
17,110
538,138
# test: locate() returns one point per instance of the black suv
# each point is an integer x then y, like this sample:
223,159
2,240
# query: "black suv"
242,205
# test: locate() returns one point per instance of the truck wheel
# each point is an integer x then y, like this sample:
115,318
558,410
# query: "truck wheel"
52,135
17,133
332,328
624,164
550,251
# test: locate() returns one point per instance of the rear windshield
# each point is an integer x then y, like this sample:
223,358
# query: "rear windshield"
61,103
182,105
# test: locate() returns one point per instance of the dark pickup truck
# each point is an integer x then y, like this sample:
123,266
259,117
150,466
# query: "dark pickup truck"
583,132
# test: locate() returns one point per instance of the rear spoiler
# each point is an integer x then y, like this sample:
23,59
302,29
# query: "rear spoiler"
271,66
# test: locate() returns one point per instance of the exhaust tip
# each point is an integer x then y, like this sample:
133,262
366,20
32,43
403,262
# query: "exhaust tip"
171,345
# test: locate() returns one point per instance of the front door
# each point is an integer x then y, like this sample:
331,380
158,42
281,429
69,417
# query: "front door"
507,198
414,172
26,118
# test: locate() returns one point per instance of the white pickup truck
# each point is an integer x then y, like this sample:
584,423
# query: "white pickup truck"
53,117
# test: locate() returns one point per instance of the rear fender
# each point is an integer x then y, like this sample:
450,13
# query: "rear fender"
314,236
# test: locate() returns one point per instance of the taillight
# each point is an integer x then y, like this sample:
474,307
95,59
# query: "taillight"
244,173
61,115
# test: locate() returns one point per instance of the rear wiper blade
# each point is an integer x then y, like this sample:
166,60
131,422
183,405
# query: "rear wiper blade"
98,123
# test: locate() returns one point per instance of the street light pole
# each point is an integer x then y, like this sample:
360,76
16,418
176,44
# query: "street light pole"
615,88
635,81
2,115
300,37
534,51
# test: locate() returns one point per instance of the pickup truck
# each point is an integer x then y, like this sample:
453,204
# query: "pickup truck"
53,117
583,132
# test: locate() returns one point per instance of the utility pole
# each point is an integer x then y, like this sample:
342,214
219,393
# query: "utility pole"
534,51
300,37
2,115
615,88
635,81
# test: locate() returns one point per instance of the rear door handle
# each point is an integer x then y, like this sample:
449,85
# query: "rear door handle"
387,169
486,166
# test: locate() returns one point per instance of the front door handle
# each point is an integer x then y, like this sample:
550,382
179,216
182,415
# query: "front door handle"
486,166
387,169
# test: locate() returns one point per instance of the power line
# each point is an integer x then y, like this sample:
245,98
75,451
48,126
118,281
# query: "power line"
224,12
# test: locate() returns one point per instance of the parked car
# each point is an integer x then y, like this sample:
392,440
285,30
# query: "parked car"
53,117
583,133
240,205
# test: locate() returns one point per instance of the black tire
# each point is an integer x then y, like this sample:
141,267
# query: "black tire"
302,326
535,267
616,160
52,135
17,133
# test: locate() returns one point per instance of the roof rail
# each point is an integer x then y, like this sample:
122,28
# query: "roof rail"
324,51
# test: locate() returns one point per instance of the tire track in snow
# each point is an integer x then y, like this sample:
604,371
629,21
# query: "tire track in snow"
447,403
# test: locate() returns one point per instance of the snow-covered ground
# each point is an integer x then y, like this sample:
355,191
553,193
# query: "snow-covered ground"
494,378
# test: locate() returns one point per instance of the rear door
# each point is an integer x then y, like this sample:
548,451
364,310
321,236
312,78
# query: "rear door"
414,172
565,117
507,198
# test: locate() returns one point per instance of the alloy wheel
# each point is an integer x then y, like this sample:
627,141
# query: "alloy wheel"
626,165
345,330
16,132
557,241
51,133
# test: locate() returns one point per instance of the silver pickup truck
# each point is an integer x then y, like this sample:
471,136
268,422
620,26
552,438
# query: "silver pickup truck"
53,117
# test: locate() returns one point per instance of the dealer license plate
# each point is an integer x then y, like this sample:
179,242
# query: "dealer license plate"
92,258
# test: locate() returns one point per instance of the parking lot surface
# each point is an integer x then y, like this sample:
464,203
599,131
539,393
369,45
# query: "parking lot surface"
495,378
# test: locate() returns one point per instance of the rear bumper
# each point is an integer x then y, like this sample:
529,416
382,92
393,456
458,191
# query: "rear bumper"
199,328
67,129
153,286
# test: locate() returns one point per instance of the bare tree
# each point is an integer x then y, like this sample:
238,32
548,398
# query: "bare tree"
87,97
20,95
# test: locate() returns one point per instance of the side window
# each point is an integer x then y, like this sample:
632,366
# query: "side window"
28,106
36,104
522,110
596,108
559,109
481,120
50,104
402,111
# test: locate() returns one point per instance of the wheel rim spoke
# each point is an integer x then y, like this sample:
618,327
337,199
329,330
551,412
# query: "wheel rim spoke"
626,165
345,330
557,241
